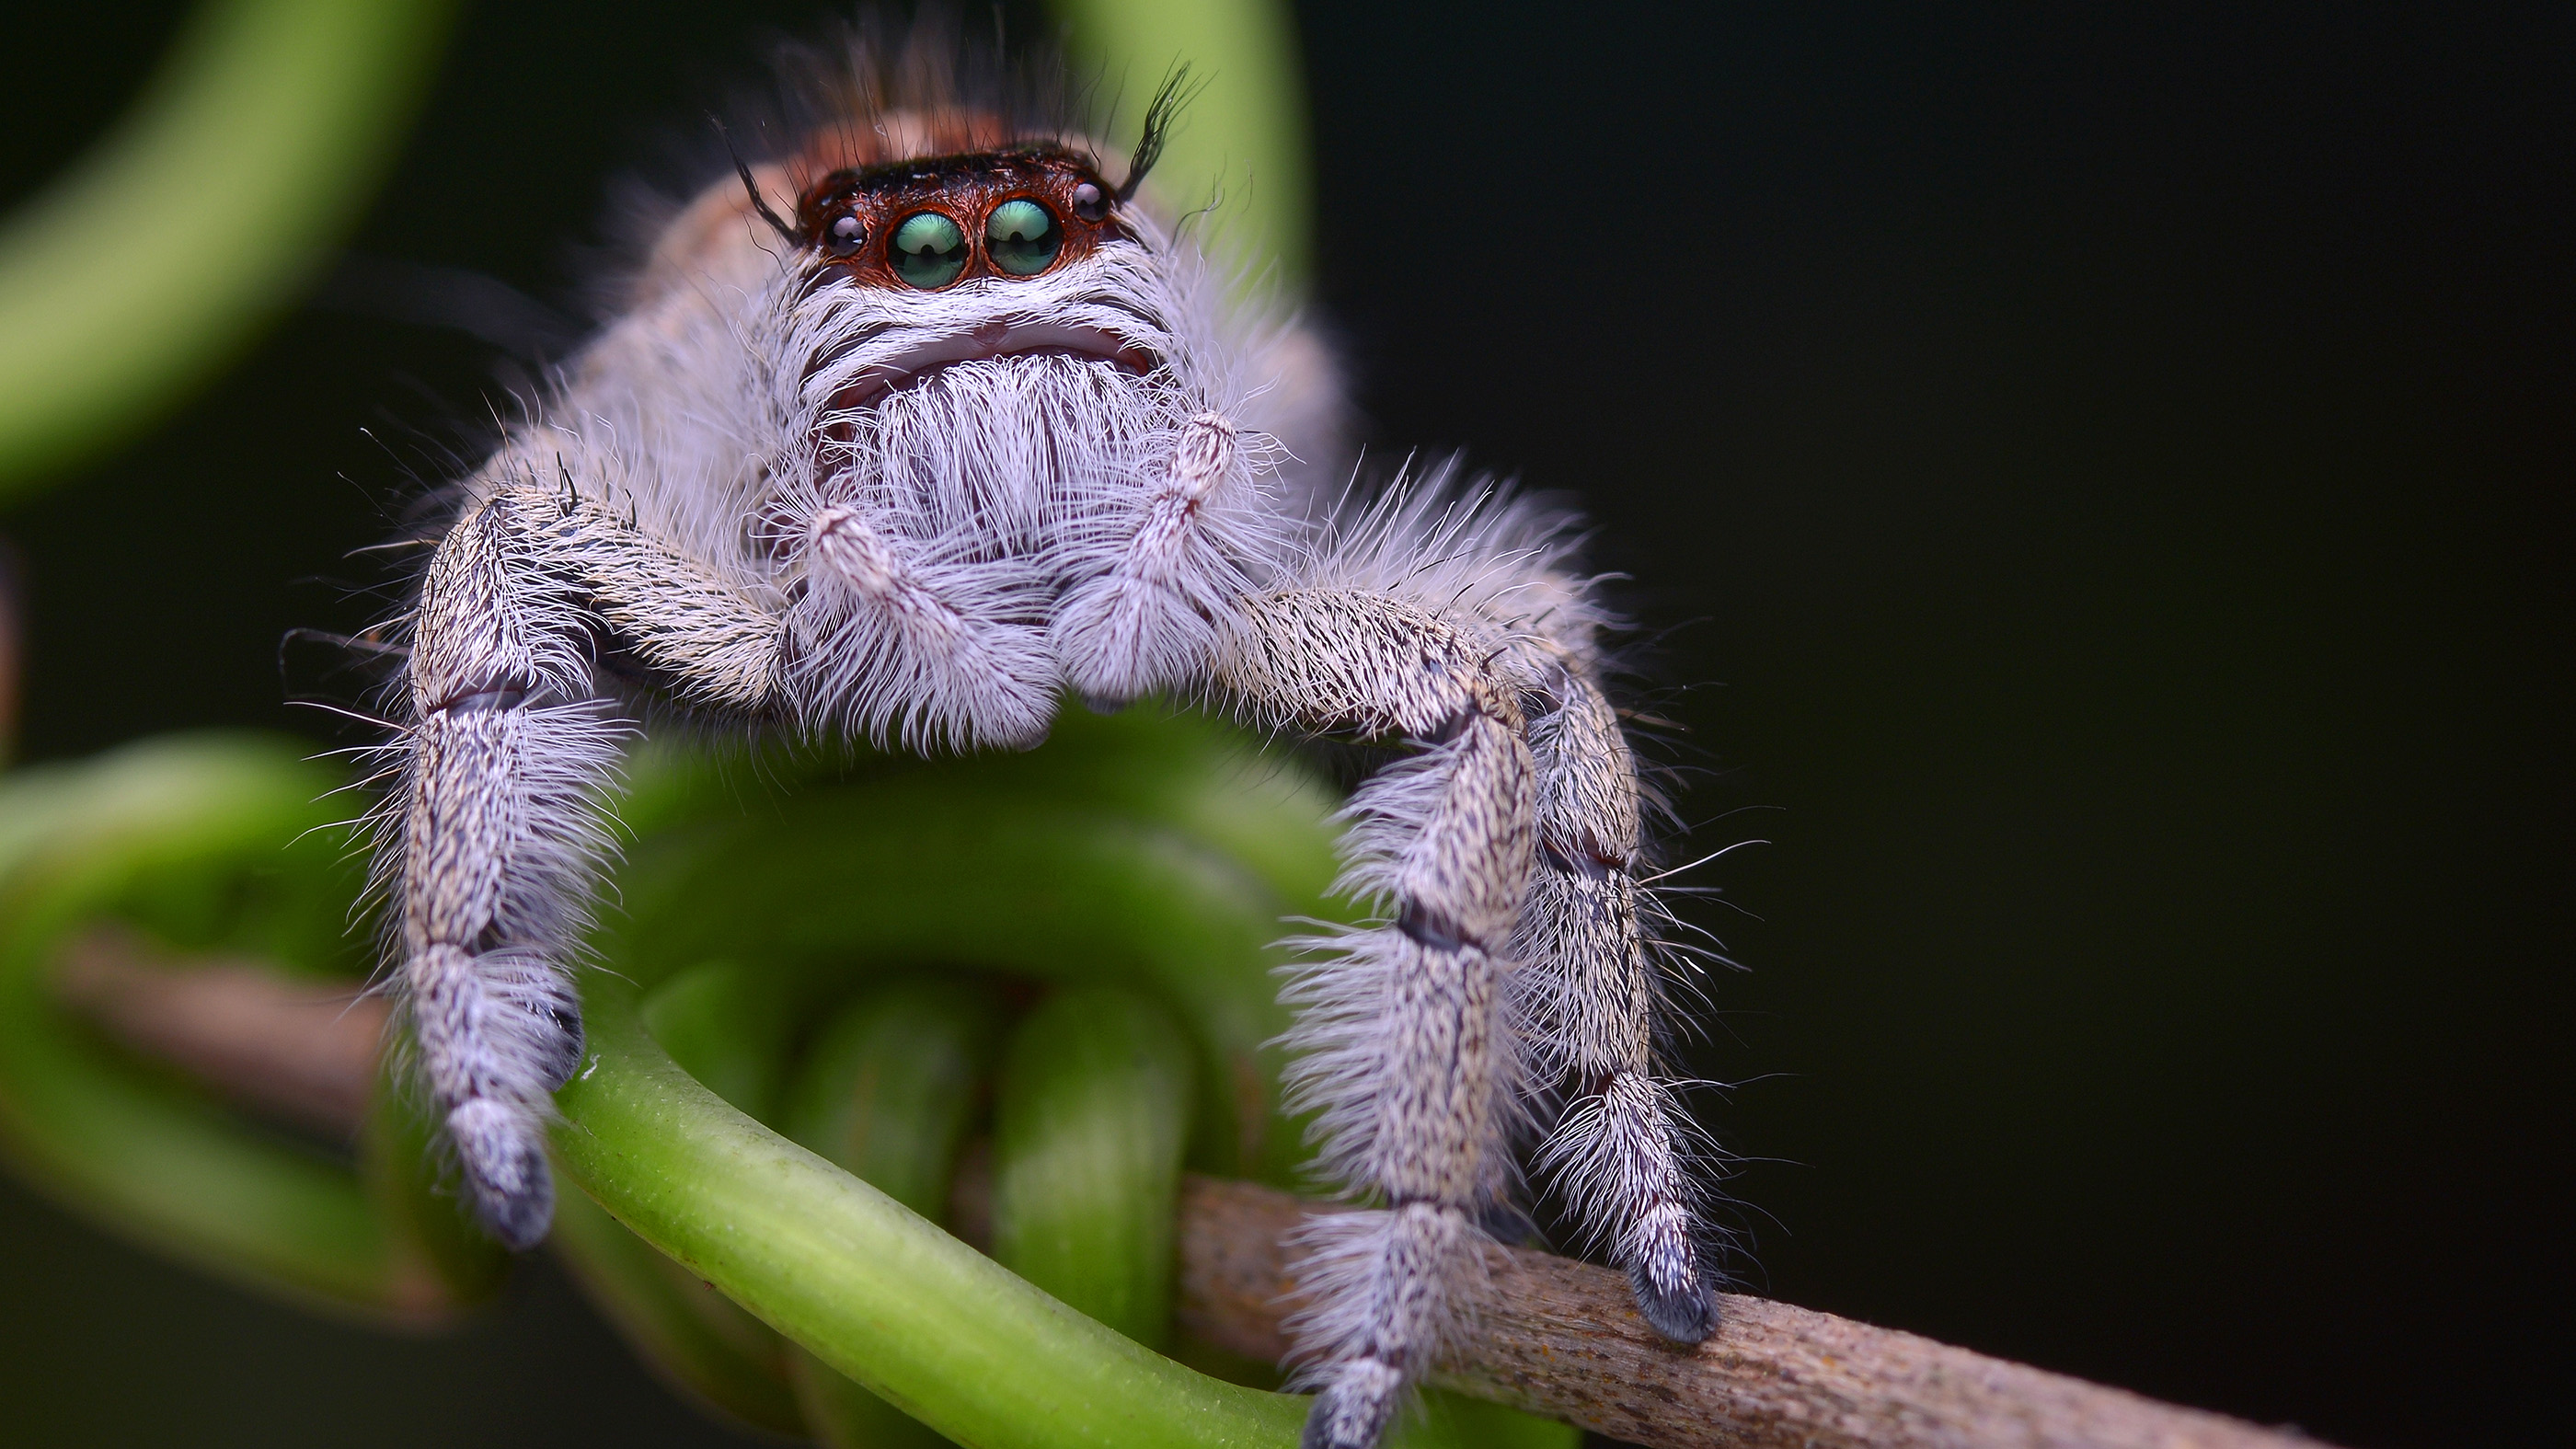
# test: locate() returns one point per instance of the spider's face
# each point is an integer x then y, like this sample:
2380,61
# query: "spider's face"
1015,253
1004,252
988,330
932,223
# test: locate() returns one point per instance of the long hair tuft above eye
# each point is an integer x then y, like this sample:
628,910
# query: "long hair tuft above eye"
751,185
1175,92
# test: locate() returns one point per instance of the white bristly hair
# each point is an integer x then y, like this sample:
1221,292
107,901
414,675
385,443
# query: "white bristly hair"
793,484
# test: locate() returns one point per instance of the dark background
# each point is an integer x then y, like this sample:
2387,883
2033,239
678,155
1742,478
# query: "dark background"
2101,476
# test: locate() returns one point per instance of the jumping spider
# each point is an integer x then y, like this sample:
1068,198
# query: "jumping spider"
910,431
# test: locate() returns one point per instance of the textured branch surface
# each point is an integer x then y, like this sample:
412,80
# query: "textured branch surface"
1558,1337
1563,1339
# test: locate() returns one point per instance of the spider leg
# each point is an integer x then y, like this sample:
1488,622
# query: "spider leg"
1586,998
1403,1048
495,836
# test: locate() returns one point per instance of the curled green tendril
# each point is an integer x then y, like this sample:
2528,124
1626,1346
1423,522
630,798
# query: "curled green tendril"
887,1091
885,928
1137,869
140,273
874,1290
161,833
1092,1111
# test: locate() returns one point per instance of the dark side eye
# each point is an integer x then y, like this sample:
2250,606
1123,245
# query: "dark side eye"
1090,202
845,235
929,250
1021,238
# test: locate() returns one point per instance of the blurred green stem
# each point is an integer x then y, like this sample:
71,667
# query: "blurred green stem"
1088,1125
877,1291
147,1154
888,1091
1242,139
137,276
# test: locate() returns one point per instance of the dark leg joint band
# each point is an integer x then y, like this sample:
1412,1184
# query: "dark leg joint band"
1577,862
1452,727
1435,931
482,701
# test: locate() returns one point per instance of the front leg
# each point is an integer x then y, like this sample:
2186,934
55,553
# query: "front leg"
500,836
1401,1044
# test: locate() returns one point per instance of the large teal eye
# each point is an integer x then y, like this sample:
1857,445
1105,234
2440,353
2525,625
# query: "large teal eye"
1021,238
929,250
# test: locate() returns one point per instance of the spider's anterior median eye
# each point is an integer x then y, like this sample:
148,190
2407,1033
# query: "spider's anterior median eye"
929,250
1021,238
845,235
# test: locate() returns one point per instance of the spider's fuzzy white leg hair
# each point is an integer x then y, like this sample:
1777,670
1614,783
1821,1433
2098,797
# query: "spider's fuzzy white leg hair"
896,645
1583,998
1159,565
1417,1039
491,863
494,841
1619,1152
1404,1051
1403,1045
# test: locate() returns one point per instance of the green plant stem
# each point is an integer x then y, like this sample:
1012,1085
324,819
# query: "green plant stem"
887,1091
139,274
1242,139
1088,1125
700,1341
145,1154
877,1291
727,1025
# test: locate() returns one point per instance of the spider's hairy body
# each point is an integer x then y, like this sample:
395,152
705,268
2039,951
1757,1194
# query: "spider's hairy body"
923,427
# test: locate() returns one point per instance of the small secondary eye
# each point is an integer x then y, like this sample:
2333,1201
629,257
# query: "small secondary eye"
845,235
929,250
1090,202
1021,238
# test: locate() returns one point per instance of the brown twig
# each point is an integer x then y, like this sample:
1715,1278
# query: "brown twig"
1561,1338
1556,1337
304,1052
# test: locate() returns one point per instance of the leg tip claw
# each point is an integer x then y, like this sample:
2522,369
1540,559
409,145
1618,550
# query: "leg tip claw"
1684,1312
1355,1408
514,1191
